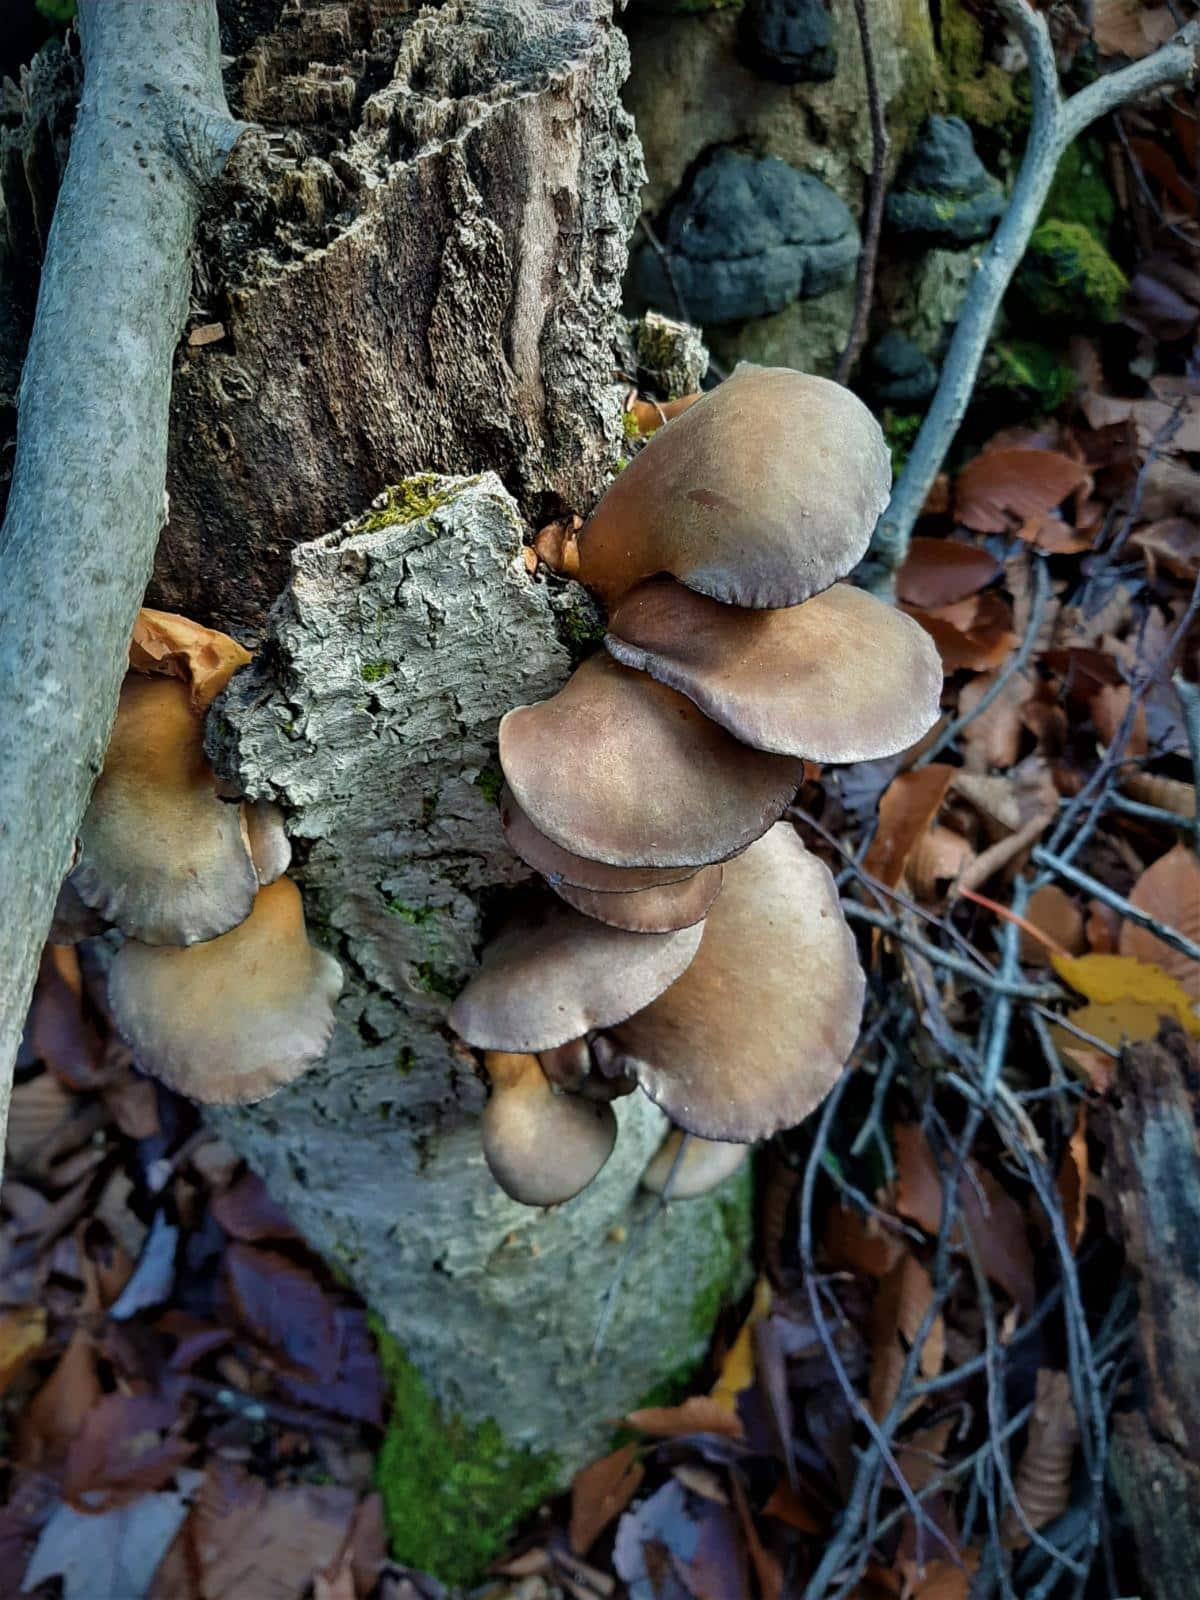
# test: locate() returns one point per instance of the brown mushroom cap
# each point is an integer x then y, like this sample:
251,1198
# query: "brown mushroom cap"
756,1031
160,854
656,910
231,1020
761,494
619,768
567,1065
270,847
559,866
841,678
552,975
703,1165
541,1147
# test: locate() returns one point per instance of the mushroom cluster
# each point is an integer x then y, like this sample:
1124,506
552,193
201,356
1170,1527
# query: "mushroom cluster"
698,950
215,987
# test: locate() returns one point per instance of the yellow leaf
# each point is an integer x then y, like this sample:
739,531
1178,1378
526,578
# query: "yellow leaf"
1119,983
22,1334
737,1370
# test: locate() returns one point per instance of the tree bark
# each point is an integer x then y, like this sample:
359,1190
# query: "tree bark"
86,502
416,270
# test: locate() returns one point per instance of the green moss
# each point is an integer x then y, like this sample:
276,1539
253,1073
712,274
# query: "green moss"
970,86
452,1493
372,671
629,426
1080,191
900,429
1068,274
415,916
406,502
1034,372
581,627
918,94
434,981
489,781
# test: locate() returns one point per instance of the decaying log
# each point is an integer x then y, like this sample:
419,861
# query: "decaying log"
1152,1177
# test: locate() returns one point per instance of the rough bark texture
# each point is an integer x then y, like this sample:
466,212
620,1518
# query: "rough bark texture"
1153,1173
86,500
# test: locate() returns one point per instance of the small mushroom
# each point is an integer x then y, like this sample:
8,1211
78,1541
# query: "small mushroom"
842,677
567,1065
656,910
763,493
755,1033
540,1146
270,847
552,975
619,768
703,1165
160,854
559,866
231,1020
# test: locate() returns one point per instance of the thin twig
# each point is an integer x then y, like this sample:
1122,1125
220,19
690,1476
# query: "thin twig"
1189,699
1014,988
1059,868
1055,123
864,292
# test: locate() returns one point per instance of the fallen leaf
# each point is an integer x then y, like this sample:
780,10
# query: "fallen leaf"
61,1029
58,1410
599,1494
904,1297
938,572
1043,1475
113,1556
1130,28
908,807
22,1334
737,1369
1108,707
246,1211
699,1413
176,647
1072,1182
284,1308
38,1110
921,1456
1174,542
788,1505
126,1447
1001,489
676,1546
1109,981
1168,891
1052,910
976,633
858,1243
993,737
154,1275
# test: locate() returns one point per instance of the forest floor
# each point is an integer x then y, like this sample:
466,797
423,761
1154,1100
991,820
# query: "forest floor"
918,1398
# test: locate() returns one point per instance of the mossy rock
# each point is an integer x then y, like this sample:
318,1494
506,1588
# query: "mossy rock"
1068,274
970,86
1033,373
1080,191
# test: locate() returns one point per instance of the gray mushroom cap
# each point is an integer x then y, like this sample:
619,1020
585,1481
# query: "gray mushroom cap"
231,1020
756,1032
762,494
540,1146
842,677
656,910
553,974
160,854
619,768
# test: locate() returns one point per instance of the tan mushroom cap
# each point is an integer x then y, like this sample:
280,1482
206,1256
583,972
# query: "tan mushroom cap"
756,1031
234,1019
73,921
763,493
541,1147
842,677
656,910
703,1165
160,854
559,866
619,768
552,975
270,847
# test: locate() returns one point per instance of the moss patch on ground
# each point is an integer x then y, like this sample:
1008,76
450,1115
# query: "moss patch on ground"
452,1493
1068,273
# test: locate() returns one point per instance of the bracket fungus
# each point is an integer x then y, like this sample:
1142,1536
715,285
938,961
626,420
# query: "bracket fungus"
235,1018
647,791
542,1147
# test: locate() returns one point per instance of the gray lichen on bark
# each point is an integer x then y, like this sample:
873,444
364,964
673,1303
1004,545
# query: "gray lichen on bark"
370,716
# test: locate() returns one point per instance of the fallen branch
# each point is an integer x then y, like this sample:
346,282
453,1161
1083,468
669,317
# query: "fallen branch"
1057,867
87,501
1055,123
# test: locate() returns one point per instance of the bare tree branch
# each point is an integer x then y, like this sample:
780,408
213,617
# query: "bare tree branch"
1055,123
87,501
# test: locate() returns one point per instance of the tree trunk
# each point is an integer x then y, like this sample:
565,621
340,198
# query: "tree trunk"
416,270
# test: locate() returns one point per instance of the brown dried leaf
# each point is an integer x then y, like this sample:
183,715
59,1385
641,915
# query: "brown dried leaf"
1108,708
40,1108
176,647
61,1406
22,1334
1001,489
975,633
993,738
789,1506
1072,1181
1130,28
62,1031
1053,911
904,1297
939,572
908,807
1174,542
599,1494
937,862
1168,891
128,1446
1043,1478
859,1244
284,1307
699,1413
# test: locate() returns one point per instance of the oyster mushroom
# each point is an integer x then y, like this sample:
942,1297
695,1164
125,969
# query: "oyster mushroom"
233,1019
842,677
552,975
541,1147
160,853
756,1032
270,847
762,494
621,769
703,1164
658,909
559,866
